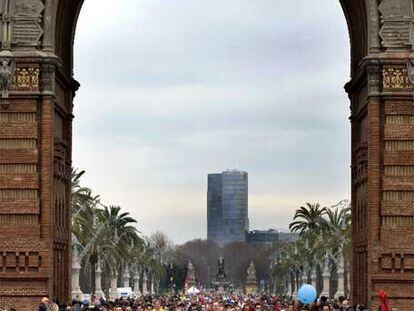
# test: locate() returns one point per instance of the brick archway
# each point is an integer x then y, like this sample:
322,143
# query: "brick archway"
35,149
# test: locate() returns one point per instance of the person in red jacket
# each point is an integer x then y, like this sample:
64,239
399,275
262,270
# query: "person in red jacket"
384,301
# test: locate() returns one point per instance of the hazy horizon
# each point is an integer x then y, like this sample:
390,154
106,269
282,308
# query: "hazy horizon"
173,91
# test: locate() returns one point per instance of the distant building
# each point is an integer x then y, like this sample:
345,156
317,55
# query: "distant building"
227,207
288,237
270,237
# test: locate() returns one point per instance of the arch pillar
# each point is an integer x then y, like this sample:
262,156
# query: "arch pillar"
35,151
36,140
382,121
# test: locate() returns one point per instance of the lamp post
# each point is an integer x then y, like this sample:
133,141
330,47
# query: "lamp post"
326,277
137,277
98,280
144,283
113,292
76,291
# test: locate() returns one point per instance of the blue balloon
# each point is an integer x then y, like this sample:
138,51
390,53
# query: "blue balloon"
307,293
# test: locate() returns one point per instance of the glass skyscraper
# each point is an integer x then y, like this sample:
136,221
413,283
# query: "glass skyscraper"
227,207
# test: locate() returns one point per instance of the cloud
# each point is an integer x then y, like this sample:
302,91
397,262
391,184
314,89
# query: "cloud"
173,90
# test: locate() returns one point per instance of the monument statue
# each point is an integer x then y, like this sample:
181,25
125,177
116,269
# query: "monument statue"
6,77
251,280
190,279
221,284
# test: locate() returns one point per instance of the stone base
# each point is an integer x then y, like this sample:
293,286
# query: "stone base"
99,293
77,294
251,289
339,294
325,294
113,294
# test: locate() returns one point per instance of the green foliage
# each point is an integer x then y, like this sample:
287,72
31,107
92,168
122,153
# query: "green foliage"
107,235
324,233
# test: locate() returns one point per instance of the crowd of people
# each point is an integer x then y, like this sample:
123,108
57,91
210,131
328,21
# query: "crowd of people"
207,302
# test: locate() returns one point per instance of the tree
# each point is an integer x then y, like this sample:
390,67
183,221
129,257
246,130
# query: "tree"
324,233
308,219
104,234
163,247
203,254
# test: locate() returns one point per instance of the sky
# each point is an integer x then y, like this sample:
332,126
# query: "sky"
172,90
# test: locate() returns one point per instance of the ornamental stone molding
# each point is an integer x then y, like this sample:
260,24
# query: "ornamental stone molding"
26,78
396,78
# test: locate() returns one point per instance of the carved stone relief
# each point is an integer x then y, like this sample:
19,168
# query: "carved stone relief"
47,77
395,78
26,26
61,168
26,78
397,23
21,23
6,77
374,80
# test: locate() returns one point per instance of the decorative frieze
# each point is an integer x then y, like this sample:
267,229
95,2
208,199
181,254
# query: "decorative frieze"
17,117
17,168
18,194
399,145
26,78
18,219
399,119
17,143
395,78
399,170
397,221
405,196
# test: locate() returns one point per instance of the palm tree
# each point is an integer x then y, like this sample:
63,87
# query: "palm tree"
105,234
337,233
81,196
122,240
308,218
337,236
119,230
310,222
149,260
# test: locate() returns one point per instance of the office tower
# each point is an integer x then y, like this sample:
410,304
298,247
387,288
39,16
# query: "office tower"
227,207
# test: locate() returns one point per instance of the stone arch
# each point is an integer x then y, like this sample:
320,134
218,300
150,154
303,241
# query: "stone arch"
36,137
356,16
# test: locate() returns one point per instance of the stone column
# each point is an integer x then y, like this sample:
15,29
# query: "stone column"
304,277
349,283
326,278
341,290
137,278
144,284
152,285
289,288
98,281
125,277
295,286
113,292
313,277
76,292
